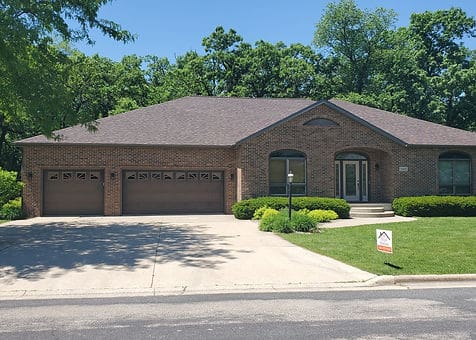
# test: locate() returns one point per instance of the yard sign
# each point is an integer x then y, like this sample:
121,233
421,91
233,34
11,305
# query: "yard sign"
384,241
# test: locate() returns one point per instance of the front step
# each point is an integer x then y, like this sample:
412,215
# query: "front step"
371,210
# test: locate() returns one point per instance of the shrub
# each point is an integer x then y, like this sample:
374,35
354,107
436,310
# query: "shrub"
258,214
268,221
304,211
320,215
435,206
282,224
246,208
10,188
302,222
12,210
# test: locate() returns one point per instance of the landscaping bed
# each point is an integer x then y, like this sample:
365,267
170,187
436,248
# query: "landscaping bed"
444,245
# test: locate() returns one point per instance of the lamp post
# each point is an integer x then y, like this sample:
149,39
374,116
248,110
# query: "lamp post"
290,188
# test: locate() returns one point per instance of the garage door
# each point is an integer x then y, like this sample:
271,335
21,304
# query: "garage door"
169,192
73,192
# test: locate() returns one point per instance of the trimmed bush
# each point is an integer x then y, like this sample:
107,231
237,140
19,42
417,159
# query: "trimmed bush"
12,210
302,222
433,206
10,188
320,215
246,208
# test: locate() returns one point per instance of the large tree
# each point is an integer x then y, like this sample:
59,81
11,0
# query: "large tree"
33,69
28,30
356,38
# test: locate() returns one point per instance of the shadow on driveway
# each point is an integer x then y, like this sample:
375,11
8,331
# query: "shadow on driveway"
29,251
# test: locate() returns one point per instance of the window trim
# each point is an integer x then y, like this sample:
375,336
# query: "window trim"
298,155
455,156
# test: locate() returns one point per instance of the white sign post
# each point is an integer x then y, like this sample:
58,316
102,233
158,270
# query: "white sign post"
384,241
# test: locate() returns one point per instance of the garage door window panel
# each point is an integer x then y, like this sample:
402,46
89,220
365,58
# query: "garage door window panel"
53,175
67,176
81,176
142,176
155,176
131,175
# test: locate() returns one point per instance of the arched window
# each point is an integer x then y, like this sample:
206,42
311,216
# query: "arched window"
280,164
454,173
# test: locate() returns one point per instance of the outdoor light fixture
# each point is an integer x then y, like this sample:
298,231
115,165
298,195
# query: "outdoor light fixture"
30,175
113,175
290,188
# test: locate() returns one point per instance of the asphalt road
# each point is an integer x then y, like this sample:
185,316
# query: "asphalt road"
445,313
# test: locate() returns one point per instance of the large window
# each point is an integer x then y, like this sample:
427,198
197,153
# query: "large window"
454,174
280,164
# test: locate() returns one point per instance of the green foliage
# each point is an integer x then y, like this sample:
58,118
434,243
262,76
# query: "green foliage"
279,222
302,222
435,206
10,188
320,215
245,209
12,210
258,214
271,220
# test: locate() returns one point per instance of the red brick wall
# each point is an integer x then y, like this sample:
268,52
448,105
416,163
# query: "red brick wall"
321,144
115,159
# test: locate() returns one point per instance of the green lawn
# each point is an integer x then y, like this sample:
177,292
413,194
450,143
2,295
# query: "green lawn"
441,245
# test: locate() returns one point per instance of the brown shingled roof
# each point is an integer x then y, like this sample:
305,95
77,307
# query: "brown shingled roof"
225,121
407,130
200,121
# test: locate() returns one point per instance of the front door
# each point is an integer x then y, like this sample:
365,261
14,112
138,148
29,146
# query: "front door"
351,180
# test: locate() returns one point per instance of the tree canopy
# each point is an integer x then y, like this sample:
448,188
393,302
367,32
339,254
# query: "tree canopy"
422,70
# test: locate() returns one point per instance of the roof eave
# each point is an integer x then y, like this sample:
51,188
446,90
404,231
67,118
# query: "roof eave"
125,145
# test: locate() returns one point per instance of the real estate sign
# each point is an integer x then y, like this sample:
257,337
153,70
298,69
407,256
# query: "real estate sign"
384,241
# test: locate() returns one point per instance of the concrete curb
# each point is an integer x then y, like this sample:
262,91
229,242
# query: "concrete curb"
400,279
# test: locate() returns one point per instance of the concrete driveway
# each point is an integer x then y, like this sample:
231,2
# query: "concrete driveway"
155,255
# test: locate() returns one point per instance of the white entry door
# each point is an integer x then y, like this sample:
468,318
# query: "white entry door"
351,180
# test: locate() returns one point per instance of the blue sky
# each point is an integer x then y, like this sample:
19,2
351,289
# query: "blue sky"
171,28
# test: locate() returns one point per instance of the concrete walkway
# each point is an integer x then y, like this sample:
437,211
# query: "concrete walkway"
138,255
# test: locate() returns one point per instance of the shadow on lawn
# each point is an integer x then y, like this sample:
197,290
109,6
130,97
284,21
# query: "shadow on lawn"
29,251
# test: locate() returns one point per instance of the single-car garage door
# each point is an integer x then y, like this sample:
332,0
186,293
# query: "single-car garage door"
73,192
169,192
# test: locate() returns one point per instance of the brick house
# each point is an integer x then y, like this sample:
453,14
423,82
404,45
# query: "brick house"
202,154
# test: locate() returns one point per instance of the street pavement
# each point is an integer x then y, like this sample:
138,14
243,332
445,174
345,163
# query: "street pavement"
371,314
157,255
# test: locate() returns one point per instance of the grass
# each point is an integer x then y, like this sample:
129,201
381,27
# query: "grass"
440,245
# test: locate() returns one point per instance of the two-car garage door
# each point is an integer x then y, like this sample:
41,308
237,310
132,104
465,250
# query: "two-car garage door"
168,192
81,192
